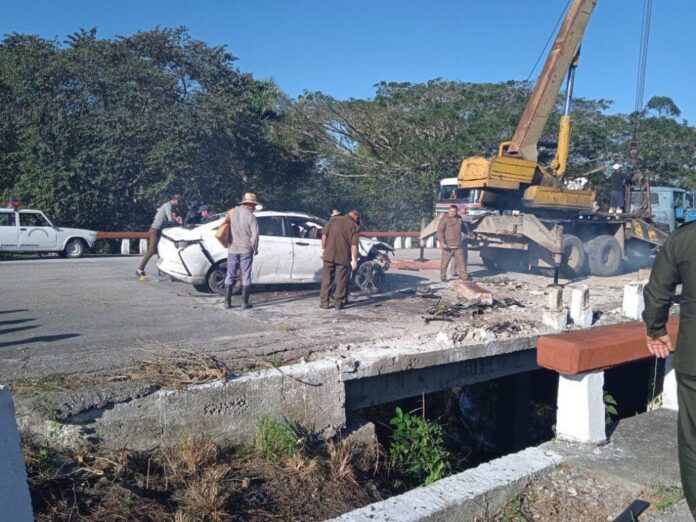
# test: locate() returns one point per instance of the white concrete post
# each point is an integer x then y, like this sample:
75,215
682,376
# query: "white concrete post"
125,247
15,502
669,387
580,414
408,242
580,310
633,304
142,246
430,242
555,301
398,243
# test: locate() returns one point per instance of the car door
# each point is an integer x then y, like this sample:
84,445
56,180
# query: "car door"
306,248
273,264
36,232
9,231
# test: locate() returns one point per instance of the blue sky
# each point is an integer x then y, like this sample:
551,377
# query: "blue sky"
344,47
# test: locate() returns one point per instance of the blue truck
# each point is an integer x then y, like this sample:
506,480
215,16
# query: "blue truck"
669,206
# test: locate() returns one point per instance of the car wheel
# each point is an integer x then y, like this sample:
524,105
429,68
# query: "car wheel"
369,276
216,279
75,248
202,287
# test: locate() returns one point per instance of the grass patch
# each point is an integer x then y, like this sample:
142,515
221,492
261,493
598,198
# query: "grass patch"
664,497
275,440
513,511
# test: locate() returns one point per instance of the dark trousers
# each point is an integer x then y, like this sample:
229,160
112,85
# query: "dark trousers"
616,199
447,255
151,247
334,274
686,436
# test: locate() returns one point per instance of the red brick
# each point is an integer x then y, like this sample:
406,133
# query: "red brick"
471,291
596,348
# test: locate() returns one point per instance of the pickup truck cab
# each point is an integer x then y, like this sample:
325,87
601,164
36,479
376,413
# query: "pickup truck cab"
27,230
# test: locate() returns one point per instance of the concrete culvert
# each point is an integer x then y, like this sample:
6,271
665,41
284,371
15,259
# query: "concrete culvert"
574,261
604,256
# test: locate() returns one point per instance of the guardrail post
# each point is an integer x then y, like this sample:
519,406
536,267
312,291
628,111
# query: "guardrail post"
142,246
669,387
633,304
580,310
408,242
580,415
398,243
125,247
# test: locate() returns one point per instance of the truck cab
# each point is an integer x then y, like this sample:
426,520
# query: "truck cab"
670,206
468,200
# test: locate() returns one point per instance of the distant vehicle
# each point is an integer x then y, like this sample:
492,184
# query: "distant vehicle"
27,230
289,252
669,205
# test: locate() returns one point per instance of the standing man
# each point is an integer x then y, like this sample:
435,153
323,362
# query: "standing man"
163,217
449,235
339,244
619,180
675,265
244,245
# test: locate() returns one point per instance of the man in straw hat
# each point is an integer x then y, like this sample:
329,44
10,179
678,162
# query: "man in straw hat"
244,244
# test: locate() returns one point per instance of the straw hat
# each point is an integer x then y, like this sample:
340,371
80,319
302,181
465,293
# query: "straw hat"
249,198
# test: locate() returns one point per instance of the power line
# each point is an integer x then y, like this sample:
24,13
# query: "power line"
548,41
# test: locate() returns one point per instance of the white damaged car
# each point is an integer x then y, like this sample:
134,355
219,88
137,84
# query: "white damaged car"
289,252
27,230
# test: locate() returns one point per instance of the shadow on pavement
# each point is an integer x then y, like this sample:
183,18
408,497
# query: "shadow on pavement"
39,339
18,329
16,321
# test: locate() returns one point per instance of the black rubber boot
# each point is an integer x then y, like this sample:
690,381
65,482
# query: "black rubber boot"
228,297
245,297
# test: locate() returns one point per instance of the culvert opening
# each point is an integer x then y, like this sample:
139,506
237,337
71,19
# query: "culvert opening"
479,422
631,388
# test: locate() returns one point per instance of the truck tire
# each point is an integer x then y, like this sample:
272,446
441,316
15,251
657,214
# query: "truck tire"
574,261
604,256
74,248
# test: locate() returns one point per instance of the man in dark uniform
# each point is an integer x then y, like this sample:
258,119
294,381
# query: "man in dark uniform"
619,180
676,264
449,235
340,252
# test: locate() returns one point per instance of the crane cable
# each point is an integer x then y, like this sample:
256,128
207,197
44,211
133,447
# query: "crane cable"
548,41
643,54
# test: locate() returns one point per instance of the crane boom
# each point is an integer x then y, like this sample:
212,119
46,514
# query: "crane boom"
543,97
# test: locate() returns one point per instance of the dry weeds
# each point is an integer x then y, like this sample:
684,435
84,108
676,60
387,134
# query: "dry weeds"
341,455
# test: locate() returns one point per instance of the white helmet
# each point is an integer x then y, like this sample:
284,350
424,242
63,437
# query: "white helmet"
616,166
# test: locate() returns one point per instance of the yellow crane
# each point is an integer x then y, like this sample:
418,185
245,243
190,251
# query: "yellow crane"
514,178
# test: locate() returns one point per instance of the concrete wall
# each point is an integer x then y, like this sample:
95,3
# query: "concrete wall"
15,502
228,412
472,495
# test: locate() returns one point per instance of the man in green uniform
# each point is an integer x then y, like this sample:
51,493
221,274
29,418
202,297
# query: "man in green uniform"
676,264
449,235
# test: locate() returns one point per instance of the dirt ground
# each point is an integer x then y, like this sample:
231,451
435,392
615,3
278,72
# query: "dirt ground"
574,493
196,481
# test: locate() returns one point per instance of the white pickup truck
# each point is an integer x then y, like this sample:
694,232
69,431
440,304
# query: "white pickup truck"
25,230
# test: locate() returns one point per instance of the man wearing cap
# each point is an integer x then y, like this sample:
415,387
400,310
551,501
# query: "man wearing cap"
339,244
619,180
163,217
244,245
200,215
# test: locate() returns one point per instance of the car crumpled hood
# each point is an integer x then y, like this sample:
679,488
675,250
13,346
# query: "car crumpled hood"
366,245
183,233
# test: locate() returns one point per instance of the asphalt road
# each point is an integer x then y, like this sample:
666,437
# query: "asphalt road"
61,316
